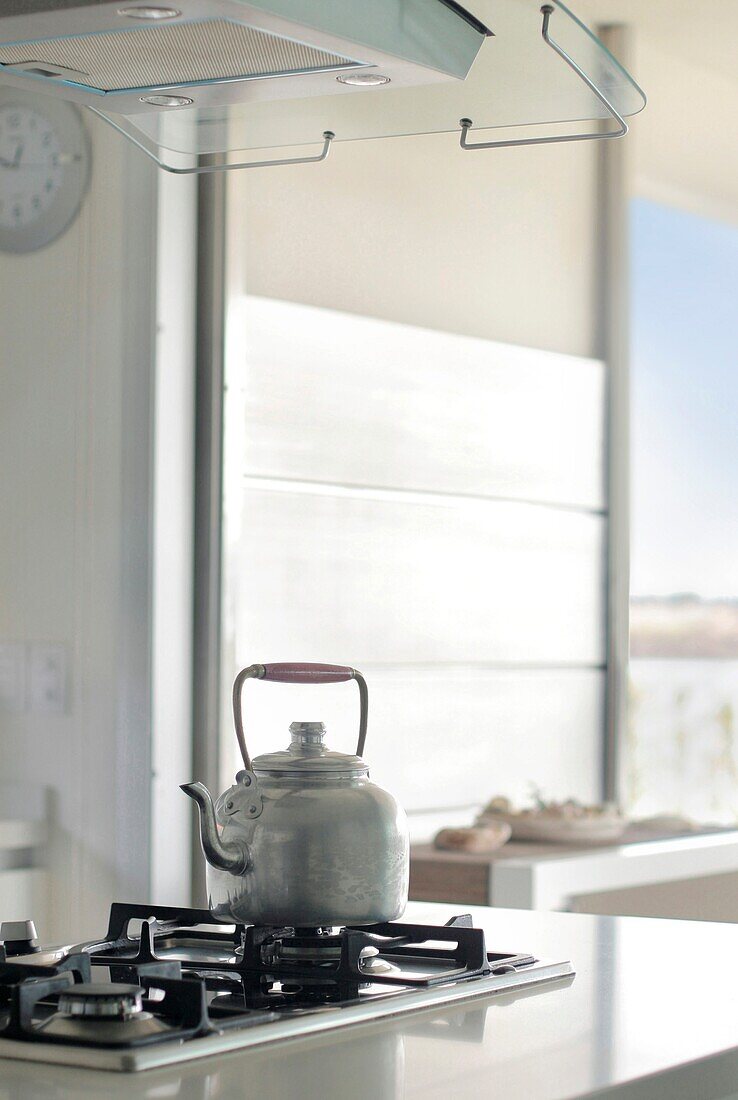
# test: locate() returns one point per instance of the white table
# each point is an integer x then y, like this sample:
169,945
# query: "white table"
668,876
552,881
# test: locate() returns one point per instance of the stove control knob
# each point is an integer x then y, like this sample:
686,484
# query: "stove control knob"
18,937
101,1001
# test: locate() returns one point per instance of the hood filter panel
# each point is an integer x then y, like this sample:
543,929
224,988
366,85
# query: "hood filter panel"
176,55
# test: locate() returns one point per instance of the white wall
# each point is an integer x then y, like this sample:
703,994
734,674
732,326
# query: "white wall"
77,336
499,244
685,145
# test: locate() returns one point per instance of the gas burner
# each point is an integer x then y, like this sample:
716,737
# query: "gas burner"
165,979
103,1013
102,1000
320,947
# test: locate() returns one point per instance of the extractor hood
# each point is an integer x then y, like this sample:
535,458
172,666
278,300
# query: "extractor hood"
215,52
201,85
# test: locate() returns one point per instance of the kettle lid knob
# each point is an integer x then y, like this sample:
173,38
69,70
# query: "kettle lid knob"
307,733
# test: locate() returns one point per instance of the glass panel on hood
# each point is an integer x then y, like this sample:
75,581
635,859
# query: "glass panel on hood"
517,81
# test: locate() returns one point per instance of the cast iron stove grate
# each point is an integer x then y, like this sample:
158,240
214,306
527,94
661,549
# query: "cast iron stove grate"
187,975
454,952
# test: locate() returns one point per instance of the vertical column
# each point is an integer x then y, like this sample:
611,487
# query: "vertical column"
209,371
173,534
614,342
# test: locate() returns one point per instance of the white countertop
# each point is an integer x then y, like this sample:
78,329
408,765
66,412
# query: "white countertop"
650,997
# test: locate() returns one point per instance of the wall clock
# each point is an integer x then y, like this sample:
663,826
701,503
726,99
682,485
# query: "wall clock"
44,169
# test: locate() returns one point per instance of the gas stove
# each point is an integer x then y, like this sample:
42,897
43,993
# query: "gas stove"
167,985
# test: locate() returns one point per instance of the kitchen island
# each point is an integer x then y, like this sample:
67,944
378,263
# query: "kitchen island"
651,1014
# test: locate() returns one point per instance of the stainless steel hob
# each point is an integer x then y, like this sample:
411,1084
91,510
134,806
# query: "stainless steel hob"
166,984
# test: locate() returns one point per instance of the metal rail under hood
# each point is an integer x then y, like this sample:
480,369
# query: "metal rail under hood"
207,85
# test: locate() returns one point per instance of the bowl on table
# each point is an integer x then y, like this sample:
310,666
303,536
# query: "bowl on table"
567,822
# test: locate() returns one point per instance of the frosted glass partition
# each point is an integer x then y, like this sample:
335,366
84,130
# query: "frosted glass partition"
395,578
517,80
468,416
430,508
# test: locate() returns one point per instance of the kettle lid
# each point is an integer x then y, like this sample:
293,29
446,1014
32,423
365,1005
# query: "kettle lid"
309,755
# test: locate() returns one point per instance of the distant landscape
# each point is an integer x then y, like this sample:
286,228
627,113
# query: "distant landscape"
683,626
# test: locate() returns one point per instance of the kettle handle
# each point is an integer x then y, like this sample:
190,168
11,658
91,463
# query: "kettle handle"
300,673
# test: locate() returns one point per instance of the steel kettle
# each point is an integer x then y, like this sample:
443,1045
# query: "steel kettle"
303,838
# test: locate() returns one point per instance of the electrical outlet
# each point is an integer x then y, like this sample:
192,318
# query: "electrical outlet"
12,677
47,679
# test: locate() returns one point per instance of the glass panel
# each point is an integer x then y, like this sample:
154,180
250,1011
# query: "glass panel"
516,80
682,750
469,416
396,577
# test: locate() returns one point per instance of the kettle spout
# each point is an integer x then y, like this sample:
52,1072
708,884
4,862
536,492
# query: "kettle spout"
233,856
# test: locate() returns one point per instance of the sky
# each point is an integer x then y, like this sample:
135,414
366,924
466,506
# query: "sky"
684,480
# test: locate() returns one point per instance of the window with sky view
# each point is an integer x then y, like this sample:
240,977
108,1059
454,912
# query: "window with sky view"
682,742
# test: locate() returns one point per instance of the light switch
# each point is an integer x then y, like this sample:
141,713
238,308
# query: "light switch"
12,677
47,679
